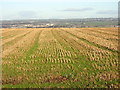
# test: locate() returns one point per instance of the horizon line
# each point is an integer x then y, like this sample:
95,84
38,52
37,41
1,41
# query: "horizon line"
55,18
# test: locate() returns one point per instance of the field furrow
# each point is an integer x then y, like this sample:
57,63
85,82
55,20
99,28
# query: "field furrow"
95,40
12,34
59,57
106,31
113,38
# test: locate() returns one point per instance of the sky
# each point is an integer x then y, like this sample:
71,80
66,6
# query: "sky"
57,9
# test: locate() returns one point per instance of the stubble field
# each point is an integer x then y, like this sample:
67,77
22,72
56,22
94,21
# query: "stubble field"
60,57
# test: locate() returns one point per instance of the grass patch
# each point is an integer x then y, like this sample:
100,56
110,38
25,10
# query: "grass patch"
94,44
33,48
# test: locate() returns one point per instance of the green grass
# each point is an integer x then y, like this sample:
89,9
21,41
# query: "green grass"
77,74
94,44
33,48
14,40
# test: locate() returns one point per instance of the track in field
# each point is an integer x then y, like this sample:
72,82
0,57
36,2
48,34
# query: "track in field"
60,57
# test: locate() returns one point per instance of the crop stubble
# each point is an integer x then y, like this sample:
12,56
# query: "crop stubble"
60,57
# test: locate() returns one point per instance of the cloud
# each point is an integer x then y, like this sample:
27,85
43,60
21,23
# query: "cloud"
108,12
78,10
27,14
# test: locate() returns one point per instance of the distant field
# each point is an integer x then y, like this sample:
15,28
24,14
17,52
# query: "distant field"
60,57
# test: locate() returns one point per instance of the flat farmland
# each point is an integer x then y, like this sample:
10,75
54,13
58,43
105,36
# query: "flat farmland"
60,57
